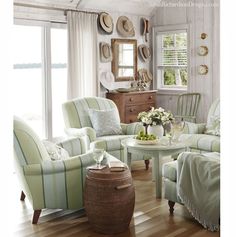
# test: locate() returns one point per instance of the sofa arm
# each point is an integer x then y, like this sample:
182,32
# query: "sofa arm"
131,128
79,132
194,128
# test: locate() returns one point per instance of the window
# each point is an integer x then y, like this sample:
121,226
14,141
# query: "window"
59,78
27,76
172,59
40,77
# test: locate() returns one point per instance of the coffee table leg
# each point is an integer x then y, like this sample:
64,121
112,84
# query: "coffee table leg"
157,173
129,160
127,157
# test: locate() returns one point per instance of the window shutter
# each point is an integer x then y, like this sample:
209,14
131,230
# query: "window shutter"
172,50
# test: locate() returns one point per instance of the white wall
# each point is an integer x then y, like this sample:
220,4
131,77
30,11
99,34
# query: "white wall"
107,38
201,19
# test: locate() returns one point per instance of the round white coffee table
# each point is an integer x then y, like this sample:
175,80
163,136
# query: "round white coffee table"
157,152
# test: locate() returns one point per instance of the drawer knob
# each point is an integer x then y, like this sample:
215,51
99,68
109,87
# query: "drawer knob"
130,99
150,97
131,110
131,121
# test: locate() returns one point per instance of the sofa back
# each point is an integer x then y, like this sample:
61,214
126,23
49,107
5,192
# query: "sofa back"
76,113
28,148
214,111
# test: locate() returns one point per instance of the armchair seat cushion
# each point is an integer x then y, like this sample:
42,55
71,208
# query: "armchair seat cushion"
202,142
169,171
111,143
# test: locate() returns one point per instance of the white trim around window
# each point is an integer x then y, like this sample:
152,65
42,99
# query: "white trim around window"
158,30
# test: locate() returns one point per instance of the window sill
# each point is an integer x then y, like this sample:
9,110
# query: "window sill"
171,91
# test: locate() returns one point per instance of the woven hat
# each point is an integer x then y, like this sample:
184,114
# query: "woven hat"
144,26
107,80
125,26
144,52
145,74
105,52
105,22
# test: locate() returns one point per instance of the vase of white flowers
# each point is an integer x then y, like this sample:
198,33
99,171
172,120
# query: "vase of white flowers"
157,130
154,120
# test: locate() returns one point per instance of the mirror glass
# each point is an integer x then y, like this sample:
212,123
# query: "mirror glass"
124,63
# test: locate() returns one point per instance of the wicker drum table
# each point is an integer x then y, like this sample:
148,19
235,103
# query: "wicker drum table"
109,200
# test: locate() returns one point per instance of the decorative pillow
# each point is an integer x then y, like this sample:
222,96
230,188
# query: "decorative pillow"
105,122
55,152
214,126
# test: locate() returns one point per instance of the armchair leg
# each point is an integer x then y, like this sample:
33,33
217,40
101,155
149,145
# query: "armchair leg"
22,196
36,216
147,164
171,205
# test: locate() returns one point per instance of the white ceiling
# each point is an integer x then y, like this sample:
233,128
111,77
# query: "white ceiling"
141,7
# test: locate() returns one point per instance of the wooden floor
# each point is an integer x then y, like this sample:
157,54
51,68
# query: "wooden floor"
151,217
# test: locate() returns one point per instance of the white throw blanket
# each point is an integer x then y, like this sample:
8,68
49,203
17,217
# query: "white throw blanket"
198,186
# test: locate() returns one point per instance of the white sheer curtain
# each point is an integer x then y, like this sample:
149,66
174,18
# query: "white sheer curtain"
82,54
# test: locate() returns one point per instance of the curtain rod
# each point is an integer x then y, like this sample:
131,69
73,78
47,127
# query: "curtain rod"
53,8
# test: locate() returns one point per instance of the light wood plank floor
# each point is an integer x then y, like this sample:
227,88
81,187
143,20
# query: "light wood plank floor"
151,217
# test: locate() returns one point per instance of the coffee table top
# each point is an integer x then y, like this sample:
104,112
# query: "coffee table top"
162,144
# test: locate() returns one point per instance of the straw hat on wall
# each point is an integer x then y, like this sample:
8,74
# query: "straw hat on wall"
107,80
125,26
105,23
144,52
144,24
105,52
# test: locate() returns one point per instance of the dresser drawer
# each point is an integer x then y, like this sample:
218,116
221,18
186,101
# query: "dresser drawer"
140,98
135,109
131,104
131,118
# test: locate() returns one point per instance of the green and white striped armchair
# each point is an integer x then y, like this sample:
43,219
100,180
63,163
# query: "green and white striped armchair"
204,137
77,121
51,184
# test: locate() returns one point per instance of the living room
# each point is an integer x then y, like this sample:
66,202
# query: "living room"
69,58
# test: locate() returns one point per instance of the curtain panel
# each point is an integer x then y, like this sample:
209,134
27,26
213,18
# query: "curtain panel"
82,54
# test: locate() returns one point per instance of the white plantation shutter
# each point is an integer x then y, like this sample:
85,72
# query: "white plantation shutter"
172,55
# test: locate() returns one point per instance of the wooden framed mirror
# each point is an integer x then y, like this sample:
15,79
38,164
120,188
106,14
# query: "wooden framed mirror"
124,62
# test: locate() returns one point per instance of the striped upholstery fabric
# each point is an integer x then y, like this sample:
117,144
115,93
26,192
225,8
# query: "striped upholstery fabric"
75,146
46,183
202,142
76,111
194,133
77,119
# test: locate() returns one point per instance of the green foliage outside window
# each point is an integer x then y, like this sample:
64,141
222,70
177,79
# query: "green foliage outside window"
174,53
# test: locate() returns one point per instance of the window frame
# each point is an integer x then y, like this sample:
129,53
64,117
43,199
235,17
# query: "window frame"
46,69
158,79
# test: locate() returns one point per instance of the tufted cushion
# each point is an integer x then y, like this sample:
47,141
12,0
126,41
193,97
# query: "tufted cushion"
169,170
105,122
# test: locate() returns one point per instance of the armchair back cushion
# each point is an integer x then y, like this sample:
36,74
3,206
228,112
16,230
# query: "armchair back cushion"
76,111
27,145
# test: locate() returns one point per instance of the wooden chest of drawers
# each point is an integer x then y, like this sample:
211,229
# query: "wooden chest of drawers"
131,103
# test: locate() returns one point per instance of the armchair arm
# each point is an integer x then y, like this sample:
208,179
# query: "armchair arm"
78,132
76,145
194,128
57,184
49,167
131,128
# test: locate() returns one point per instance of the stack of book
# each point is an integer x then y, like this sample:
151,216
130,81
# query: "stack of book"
116,166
